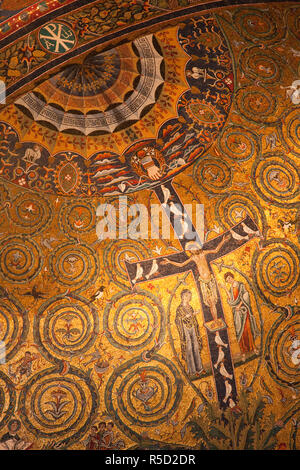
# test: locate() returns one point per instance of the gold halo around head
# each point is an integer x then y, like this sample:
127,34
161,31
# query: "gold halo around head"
192,246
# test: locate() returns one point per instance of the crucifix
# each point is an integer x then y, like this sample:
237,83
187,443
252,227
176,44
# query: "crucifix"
198,263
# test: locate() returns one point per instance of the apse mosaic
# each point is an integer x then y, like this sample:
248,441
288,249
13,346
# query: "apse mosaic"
149,343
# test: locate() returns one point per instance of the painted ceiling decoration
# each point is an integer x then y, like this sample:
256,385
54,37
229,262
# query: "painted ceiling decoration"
149,343
128,89
90,88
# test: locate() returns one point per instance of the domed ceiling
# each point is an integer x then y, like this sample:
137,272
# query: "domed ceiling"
169,88
149,342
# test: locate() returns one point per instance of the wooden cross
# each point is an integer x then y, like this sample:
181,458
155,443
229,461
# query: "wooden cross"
199,264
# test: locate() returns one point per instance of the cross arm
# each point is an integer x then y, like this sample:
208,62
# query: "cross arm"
157,268
232,239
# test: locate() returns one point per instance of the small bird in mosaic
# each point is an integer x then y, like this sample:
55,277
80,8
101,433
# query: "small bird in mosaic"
219,340
139,273
224,372
46,242
35,293
128,258
220,357
166,194
238,237
157,250
153,270
234,407
250,231
228,390
98,294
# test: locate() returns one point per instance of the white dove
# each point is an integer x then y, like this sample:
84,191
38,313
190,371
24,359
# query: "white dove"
184,228
239,214
184,225
228,390
166,193
224,372
175,209
219,340
231,403
220,357
128,258
294,92
153,270
139,273
157,249
47,242
238,237
249,230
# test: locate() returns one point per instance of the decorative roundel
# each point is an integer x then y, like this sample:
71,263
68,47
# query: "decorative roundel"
133,320
276,268
77,219
276,179
256,24
291,130
66,326
57,37
239,143
263,64
115,254
283,350
14,326
30,212
212,174
201,112
56,406
146,395
74,265
20,259
256,104
234,207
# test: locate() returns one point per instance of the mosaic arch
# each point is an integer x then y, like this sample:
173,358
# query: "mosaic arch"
146,344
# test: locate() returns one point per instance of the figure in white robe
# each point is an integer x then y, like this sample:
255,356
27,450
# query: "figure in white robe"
190,339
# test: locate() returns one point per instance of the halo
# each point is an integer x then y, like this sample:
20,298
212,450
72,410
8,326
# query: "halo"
190,246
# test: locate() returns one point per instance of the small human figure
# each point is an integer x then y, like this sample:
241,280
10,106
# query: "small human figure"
100,434
13,428
93,441
24,367
11,440
108,437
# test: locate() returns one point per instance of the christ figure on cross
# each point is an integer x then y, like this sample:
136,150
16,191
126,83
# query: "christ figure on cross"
205,276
